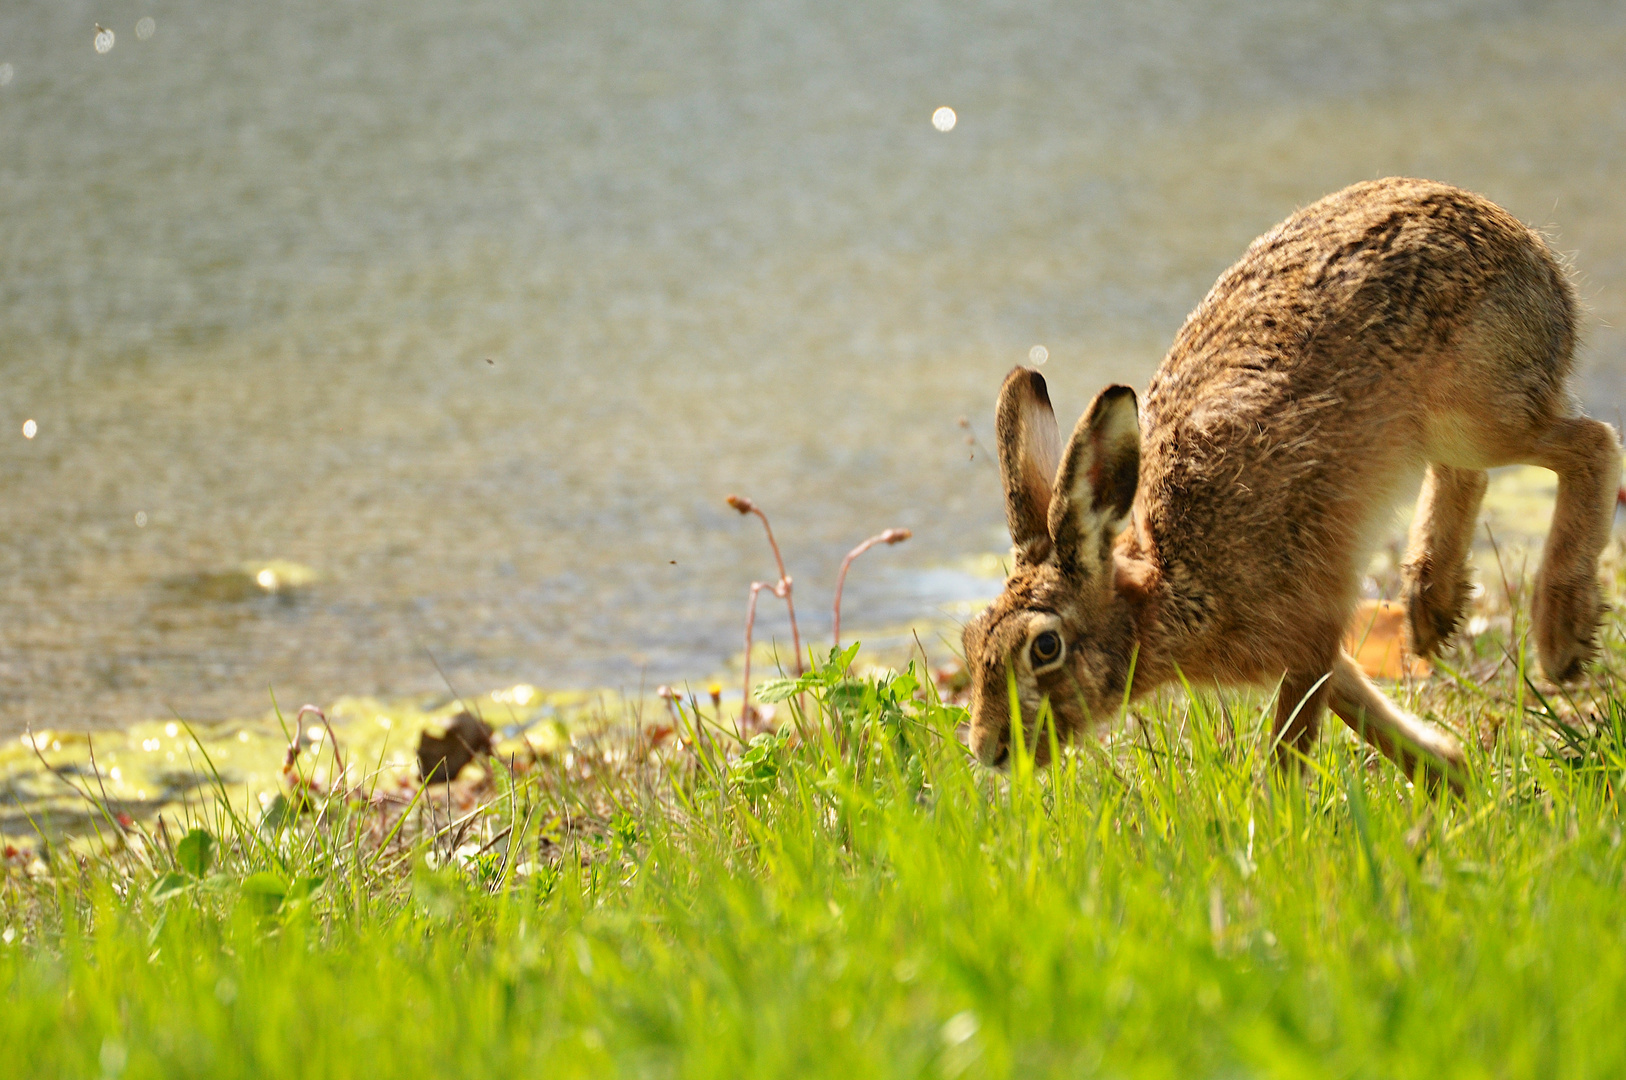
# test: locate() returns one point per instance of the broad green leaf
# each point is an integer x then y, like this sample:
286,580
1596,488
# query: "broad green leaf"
773,690
303,888
265,883
841,660
265,892
196,852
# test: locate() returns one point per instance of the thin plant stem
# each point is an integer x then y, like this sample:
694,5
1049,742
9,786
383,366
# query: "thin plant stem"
750,625
783,587
890,536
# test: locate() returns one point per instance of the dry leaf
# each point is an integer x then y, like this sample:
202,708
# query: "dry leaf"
1374,639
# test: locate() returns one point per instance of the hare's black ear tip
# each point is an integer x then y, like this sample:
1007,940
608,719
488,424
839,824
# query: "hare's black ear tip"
1120,400
1035,382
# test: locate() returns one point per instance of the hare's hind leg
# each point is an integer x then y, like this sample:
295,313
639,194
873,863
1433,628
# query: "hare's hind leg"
1402,737
1436,567
1568,602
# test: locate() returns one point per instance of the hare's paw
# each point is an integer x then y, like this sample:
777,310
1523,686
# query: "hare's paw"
1566,615
1436,601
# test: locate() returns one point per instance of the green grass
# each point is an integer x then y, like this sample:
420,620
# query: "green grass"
862,902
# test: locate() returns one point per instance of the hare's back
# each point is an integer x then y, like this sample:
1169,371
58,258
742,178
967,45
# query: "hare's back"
1372,291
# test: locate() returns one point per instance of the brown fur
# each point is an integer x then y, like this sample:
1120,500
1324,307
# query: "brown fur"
1395,329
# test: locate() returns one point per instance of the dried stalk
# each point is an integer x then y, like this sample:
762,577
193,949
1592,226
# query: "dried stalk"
750,624
891,536
781,588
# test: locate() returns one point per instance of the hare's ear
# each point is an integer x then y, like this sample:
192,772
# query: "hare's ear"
1029,450
1096,485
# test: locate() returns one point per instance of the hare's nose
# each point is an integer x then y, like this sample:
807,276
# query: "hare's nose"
986,745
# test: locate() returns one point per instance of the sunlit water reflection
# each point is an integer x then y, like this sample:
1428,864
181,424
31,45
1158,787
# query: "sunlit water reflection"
477,311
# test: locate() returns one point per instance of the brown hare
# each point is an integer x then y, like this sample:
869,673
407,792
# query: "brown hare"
1396,330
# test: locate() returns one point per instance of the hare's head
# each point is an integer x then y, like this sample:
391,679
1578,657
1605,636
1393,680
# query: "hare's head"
1059,633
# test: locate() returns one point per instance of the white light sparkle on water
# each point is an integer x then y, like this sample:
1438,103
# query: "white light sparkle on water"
30,429
944,119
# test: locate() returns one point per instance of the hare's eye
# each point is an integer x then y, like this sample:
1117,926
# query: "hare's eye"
1046,648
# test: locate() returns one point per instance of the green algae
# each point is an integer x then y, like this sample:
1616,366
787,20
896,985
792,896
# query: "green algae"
152,765
245,581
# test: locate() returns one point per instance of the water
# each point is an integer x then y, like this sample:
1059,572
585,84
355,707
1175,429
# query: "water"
478,311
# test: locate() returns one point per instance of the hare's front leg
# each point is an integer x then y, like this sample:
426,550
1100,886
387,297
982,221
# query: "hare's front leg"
1435,570
1403,738
1568,603
1299,705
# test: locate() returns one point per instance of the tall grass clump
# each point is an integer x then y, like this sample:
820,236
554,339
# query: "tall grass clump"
850,896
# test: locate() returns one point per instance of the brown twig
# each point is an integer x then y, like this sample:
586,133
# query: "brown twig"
96,771
298,740
781,588
163,834
1507,589
890,536
34,745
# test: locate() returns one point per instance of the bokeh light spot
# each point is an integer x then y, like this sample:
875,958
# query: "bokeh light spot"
145,28
30,429
1038,354
104,39
6,74
944,119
